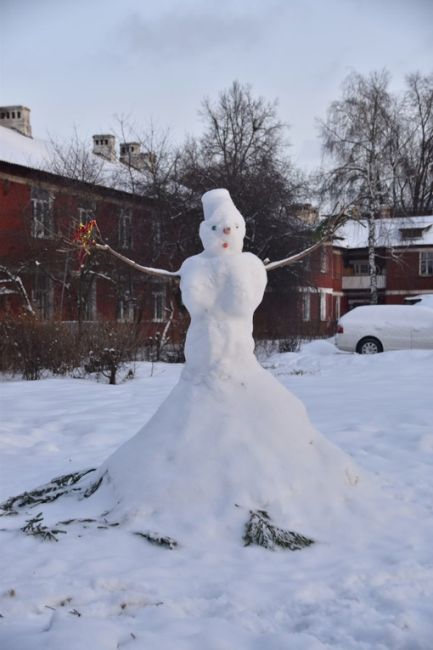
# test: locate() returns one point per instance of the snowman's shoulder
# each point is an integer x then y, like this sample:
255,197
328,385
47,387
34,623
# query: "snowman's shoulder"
253,259
253,263
190,264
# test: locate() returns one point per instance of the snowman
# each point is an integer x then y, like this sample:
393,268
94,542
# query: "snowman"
230,447
230,454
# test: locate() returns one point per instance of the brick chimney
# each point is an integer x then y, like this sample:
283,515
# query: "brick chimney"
104,145
17,118
131,154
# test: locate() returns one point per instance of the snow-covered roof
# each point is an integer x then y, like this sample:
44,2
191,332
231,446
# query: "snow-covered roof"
40,154
390,232
22,150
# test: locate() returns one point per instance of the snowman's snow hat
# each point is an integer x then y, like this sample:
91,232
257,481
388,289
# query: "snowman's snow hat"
218,203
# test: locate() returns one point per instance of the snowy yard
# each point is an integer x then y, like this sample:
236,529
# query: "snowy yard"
99,589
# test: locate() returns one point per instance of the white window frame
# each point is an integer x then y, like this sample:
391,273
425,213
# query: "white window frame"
125,310
306,307
125,229
337,307
323,306
90,307
42,295
324,265
156,233
361,267
426,263
85,215
42,218
159,306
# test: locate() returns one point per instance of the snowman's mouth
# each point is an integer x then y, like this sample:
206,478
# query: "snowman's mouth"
225,245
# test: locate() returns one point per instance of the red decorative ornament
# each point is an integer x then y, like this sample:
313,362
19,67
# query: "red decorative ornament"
84,236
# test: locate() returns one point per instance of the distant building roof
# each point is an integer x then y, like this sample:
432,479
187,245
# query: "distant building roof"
392,232
39,154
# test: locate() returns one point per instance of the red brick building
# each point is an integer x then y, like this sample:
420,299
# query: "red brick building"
38,207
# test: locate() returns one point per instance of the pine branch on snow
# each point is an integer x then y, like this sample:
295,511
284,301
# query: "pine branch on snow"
34,527
49,492
160,540
259,530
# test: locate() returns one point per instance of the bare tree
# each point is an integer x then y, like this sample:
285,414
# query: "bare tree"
74,159
414,182
12,283
244,148
358,138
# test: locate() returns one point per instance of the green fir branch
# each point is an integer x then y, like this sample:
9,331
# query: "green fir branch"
47,493
34,527
159,540
261,531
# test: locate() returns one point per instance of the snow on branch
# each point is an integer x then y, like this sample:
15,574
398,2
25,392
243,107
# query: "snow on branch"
325,232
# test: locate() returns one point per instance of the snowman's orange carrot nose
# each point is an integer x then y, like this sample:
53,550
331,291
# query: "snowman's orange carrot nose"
227,230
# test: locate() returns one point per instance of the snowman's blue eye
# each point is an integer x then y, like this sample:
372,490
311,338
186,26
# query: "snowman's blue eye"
213,227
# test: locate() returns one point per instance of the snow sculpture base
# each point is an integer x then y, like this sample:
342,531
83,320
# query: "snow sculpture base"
219,449
229,439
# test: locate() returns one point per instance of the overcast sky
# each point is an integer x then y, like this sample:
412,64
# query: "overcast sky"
79,63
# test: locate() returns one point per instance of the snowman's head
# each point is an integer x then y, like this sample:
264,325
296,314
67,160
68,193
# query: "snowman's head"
223,230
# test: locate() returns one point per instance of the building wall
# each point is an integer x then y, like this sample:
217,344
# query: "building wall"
39,258
399,276
308,299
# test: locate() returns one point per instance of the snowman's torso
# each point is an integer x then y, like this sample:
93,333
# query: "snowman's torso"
221,294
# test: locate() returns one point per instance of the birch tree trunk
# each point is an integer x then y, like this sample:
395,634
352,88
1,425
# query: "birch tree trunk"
372,268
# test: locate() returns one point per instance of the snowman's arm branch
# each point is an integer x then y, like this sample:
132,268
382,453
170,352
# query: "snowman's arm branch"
325,232
162,273
287,261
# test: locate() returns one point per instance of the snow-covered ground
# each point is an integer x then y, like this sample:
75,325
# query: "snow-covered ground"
99,589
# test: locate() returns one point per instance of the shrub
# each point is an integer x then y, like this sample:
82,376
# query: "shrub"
30,346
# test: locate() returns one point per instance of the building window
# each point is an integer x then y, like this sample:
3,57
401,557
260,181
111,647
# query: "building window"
42,295
323,311
426,263
86,214
156,233
125,310
89,310
361,268
323,260
125,229
306,307
411,233
158,306
337,307
42,222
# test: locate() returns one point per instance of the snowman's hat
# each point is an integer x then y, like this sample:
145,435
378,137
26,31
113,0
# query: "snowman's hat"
219,203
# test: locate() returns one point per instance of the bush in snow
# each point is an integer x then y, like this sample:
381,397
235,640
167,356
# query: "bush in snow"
30,346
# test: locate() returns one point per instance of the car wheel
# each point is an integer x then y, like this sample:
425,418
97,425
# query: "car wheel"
369,345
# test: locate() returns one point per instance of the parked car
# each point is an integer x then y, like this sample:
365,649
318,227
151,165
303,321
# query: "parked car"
378,328
423,300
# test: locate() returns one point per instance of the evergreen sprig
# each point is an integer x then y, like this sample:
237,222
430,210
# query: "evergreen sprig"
34,527
260,530
159,540
49,492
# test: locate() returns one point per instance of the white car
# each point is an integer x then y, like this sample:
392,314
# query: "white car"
379,328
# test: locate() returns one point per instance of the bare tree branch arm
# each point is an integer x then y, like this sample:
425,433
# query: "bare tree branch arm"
162,273
325,232
287,261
